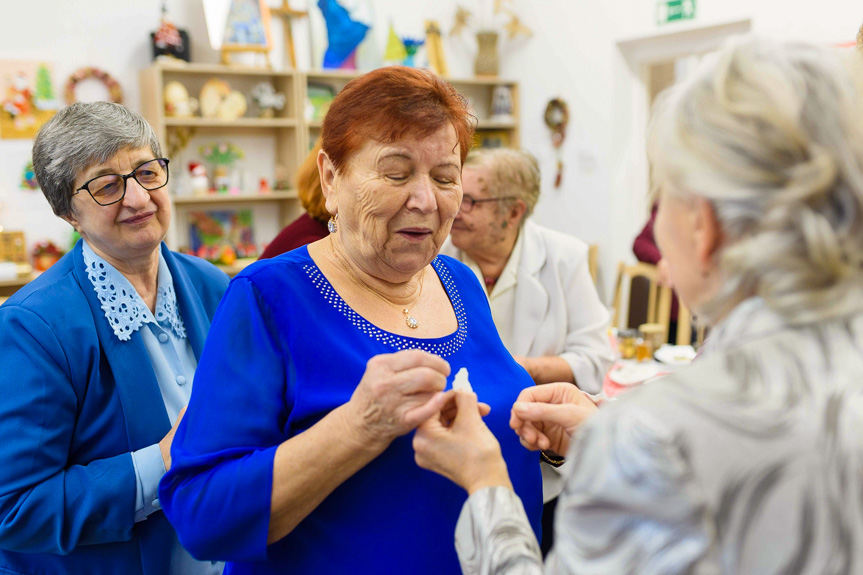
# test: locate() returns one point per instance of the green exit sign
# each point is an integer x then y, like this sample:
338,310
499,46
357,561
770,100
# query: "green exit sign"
673,10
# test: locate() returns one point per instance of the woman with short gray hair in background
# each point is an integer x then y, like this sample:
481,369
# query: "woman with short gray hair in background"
749,460
98,356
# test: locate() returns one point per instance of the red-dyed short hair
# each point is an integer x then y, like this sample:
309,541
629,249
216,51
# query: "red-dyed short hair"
389,104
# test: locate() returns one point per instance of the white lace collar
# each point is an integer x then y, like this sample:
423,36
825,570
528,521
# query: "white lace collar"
124,309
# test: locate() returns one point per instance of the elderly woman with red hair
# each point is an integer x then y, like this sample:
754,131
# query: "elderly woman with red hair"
295,453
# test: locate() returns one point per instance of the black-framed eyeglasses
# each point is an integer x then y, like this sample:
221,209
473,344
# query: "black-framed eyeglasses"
468,203
109,189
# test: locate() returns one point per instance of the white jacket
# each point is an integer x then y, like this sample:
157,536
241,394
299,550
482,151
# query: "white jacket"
557,311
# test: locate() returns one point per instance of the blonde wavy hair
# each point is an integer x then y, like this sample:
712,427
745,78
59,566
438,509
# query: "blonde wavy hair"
309,186
772,135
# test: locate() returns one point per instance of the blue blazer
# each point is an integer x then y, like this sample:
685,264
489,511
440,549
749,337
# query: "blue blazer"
74,402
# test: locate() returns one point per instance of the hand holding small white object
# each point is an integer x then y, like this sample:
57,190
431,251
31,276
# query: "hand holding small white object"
459,446
461,382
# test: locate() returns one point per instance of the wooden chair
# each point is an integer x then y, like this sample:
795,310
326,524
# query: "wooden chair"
593,261
684,329
655,306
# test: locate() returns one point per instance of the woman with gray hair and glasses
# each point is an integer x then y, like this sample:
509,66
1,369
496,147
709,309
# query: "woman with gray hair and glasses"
98,356
749,460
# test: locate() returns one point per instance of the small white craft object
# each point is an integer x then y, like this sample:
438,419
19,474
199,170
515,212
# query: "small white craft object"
461,382
267,99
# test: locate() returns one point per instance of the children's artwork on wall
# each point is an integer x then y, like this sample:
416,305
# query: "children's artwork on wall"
221,236
248,23
28,177
28,98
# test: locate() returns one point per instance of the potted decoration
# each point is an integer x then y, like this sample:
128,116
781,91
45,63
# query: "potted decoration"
491,17
222,155
45,255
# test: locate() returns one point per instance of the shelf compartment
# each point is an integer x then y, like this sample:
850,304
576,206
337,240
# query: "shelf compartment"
235,199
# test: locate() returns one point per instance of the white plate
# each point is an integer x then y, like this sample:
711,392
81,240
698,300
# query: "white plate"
633,373
675,354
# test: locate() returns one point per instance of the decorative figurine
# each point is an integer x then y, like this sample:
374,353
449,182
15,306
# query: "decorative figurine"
200,183
264,186
412,45
169,42
283,178
267,99
178,104
501,104
45,255
217,100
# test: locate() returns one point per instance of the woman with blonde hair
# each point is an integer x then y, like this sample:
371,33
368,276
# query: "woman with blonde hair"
312,225
749,460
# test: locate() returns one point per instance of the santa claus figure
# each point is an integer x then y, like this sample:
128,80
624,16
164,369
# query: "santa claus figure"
19,102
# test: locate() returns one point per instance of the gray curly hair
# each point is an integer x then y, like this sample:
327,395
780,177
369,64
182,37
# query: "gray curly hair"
82,135
772,135
514,173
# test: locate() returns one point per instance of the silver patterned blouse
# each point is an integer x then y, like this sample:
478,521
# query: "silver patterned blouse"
750,461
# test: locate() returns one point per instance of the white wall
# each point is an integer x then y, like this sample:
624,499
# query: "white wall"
573,54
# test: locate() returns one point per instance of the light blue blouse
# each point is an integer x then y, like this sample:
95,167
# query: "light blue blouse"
174,365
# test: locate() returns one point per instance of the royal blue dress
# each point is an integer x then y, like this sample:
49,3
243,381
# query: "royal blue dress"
283,351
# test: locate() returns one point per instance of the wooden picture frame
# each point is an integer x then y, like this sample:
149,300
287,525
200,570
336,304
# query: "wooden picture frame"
247,29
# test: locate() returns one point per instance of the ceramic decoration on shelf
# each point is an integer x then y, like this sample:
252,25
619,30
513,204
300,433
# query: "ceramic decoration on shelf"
219,101
501,104
178,103
267,99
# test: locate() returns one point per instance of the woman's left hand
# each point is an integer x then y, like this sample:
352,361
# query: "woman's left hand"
465,451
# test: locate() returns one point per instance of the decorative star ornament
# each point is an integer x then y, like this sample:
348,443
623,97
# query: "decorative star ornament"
515,27
461,20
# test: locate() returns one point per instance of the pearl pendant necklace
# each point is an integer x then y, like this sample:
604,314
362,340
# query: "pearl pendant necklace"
410,320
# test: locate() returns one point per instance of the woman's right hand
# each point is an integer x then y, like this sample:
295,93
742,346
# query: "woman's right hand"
397,392
546,416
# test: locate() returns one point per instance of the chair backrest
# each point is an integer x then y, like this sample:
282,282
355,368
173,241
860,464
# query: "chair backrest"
684,329
593,261
656,303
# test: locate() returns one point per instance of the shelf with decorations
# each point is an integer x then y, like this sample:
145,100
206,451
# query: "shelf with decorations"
198,110
494,102
275,196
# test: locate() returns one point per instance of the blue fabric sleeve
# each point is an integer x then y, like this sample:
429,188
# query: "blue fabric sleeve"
47,505
149,469
217,493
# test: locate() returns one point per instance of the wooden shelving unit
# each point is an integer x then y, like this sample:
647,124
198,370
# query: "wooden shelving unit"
478,91
282,137
287,137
